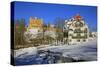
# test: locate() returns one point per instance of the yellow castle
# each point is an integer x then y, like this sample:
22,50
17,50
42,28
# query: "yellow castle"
35,23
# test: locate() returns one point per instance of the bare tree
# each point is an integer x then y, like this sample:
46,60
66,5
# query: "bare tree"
59,29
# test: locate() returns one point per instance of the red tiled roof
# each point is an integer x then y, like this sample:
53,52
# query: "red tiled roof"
78,17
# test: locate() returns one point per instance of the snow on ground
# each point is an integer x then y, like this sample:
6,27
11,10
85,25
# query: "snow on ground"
25,51
86,51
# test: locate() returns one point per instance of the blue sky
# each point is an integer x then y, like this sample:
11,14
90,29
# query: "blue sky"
49,12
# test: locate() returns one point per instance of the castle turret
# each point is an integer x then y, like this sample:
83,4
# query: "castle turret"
35,23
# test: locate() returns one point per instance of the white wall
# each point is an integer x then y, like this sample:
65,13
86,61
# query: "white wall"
5,32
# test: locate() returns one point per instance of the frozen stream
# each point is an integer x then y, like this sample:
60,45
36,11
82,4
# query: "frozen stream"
57,54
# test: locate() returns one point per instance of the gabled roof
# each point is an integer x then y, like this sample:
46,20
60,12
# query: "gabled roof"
77,17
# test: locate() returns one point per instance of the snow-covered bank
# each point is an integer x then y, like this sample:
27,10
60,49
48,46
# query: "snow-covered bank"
25,51
84,51
52,54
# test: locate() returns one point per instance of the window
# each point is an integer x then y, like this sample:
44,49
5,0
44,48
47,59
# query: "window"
85,30
70,34
84,40
77,31
78,40
79,24
38,30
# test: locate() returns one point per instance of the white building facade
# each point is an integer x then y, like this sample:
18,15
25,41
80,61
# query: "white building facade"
76,30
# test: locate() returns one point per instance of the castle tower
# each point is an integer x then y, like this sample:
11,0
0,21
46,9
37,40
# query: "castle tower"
35,23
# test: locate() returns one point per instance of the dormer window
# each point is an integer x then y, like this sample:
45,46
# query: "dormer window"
79,24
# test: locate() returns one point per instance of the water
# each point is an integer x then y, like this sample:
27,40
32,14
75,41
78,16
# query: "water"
40,58
78,54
